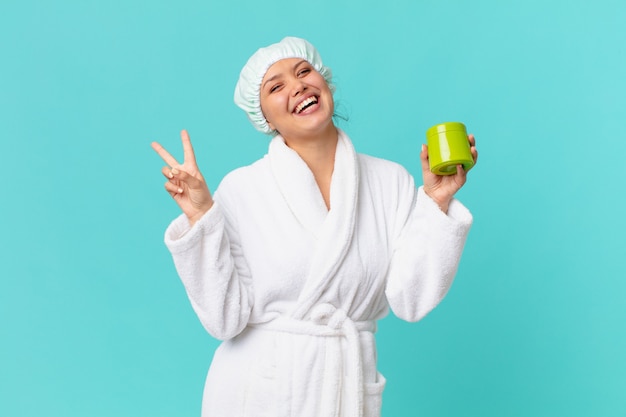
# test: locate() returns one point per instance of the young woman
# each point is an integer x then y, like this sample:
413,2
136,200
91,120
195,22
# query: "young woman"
296,257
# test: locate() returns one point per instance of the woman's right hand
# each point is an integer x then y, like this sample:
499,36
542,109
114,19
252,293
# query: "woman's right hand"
185,182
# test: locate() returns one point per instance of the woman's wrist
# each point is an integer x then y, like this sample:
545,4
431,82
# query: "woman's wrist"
443,203
199,214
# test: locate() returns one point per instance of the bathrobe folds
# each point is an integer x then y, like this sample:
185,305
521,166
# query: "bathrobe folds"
294,290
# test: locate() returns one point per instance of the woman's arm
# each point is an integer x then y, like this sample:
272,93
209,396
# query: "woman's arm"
433,228
426,256
206,249
211,265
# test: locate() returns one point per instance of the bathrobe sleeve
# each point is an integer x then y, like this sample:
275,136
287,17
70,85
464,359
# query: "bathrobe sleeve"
426,251
210,263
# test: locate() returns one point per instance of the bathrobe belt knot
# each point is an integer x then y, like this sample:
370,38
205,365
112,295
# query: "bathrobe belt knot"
334,326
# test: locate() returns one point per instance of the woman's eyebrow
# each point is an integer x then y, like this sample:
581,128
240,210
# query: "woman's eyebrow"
304,61
272,78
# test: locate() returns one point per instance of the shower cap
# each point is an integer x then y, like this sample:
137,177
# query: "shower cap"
248,88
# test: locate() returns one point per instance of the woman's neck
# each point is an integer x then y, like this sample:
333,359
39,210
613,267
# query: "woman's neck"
318,152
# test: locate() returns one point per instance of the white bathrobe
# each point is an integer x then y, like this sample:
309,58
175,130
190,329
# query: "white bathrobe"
294,290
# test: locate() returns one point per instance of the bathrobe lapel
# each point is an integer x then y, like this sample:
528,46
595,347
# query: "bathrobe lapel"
332,228
297,186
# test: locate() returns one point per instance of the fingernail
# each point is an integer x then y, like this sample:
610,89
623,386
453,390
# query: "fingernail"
180,191
174,171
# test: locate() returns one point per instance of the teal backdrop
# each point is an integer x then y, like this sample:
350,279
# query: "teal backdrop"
93,318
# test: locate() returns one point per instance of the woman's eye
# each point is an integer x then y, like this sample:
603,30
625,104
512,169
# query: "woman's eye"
274,88
303,72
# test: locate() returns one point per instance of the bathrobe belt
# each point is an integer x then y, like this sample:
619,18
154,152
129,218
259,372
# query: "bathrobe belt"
333,324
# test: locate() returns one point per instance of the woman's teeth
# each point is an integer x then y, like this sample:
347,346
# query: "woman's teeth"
306,103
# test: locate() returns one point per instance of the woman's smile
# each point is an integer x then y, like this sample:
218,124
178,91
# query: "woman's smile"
307,105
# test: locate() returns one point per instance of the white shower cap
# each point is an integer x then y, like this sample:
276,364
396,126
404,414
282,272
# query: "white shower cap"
248,89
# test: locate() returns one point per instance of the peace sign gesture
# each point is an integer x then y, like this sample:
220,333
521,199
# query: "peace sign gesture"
185,182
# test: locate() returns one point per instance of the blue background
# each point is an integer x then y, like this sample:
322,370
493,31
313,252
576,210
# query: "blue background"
93,318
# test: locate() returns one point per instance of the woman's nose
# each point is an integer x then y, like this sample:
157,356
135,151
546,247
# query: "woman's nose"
298,87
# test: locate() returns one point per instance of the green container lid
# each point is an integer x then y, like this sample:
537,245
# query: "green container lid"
445,127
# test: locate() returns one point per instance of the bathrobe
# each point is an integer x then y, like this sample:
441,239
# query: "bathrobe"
294,290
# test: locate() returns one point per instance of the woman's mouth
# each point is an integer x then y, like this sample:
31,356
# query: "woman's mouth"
305,104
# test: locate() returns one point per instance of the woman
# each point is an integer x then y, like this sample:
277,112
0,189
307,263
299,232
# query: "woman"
297,255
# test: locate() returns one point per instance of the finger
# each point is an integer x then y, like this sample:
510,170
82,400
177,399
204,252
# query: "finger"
173,189
424,158
188,152
460,177
460,171
165,155
167,172
473,151
190,180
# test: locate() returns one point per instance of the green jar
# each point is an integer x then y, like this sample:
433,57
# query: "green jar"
448,147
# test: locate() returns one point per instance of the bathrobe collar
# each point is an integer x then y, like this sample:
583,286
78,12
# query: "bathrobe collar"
332,228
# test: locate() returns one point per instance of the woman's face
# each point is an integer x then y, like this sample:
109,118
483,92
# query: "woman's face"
295,98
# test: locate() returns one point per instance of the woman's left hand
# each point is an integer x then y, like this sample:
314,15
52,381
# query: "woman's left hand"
441,188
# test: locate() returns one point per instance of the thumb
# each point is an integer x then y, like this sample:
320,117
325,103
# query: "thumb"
183,176
424,158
